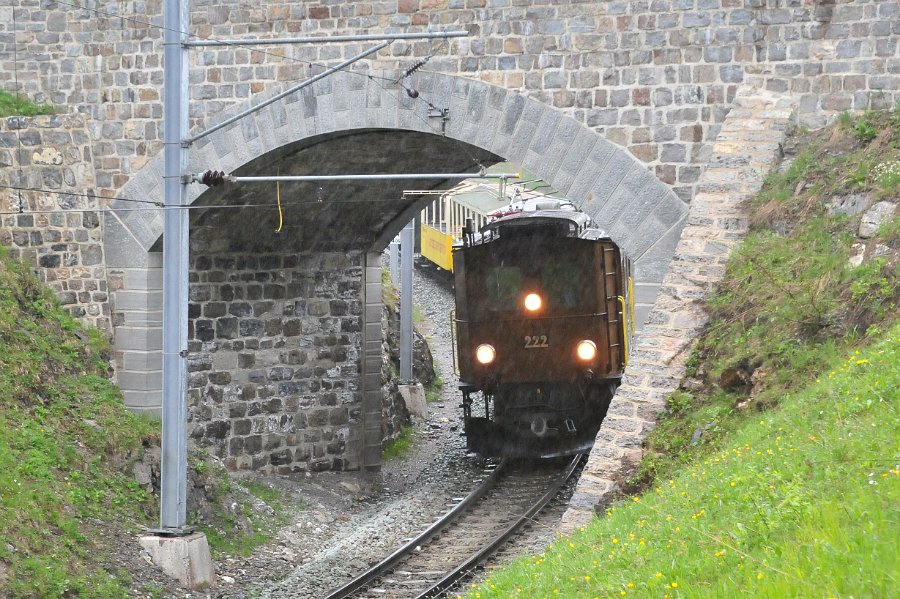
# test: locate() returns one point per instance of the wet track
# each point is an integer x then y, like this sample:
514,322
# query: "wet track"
509,497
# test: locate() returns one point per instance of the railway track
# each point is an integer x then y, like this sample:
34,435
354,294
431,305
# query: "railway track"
508,498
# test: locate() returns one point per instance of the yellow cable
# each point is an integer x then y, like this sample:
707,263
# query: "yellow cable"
278,196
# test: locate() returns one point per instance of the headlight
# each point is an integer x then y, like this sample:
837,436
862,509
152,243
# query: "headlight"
586,350
485,353
533,302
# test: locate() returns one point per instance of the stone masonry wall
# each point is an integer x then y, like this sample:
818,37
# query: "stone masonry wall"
55,222
655,76
274,359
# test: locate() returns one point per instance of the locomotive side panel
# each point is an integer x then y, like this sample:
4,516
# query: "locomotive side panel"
612,275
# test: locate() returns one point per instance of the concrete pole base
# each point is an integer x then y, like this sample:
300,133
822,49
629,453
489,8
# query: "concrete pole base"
186,559
414,396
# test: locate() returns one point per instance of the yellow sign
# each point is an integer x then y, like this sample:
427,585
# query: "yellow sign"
437,247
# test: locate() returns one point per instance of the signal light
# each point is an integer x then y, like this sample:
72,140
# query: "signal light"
533,302
485,354
586,350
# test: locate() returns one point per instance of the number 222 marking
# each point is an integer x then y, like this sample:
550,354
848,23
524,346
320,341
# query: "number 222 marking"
533,341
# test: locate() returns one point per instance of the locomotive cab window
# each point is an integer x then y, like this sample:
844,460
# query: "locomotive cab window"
502,285
563,285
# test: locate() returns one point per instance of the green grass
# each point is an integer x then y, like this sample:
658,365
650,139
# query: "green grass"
433,391
778,473
800,502
400,446
16,105
231,525
390,296
859,155
66,444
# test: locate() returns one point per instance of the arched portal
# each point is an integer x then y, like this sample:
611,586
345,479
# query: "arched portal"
269,287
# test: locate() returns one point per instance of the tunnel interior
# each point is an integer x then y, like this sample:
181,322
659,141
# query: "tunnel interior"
330,215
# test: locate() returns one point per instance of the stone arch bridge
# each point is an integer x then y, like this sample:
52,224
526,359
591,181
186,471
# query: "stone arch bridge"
645,113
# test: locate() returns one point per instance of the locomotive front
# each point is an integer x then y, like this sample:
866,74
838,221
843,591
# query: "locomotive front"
541,335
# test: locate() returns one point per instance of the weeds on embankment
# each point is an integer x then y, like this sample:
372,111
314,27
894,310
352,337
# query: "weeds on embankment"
776,470
65,441
67,446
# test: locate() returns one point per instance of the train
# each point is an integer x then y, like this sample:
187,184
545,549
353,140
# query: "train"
543,320
441,222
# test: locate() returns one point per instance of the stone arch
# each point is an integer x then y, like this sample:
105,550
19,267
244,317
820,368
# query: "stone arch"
642,214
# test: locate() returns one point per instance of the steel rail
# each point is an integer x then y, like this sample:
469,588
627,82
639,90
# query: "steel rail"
463,569
387,563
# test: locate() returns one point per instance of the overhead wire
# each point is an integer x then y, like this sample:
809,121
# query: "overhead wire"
207,206
81,195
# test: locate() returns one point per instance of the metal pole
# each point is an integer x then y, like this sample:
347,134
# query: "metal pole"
394,260
406,300
286,92
328,39
198,177
173,496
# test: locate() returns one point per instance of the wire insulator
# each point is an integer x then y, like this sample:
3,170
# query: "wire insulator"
213,178
415,67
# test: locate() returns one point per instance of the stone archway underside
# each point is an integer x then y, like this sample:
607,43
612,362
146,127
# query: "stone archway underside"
639,212
350,124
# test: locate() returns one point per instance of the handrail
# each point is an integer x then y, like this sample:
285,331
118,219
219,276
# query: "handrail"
453,336
631,301
624,329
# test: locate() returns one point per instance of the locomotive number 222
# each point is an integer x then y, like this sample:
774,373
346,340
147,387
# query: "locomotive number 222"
533,341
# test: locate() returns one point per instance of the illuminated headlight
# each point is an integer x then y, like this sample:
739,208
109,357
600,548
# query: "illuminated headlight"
586,350
533,302
485,353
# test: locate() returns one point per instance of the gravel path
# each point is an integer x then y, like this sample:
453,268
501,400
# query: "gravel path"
343,525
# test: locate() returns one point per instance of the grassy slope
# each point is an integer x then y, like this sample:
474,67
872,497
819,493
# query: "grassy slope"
67,444
800,502
793,488
65,439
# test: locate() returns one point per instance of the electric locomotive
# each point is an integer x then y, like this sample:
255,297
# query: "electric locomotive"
542,322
